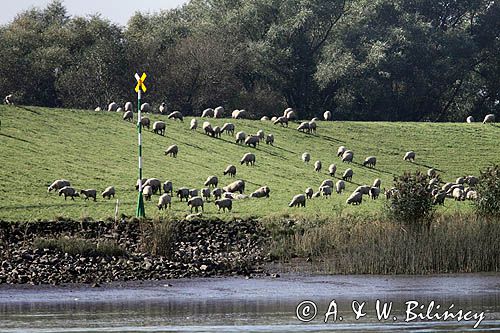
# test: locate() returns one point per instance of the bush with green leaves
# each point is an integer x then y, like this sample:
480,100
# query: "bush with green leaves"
488,190
411,203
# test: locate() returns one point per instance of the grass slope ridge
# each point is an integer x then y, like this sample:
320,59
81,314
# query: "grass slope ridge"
99,149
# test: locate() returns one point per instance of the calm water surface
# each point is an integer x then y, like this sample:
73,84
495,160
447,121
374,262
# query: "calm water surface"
254,305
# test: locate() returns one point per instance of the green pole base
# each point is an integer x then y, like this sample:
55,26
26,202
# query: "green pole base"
140,211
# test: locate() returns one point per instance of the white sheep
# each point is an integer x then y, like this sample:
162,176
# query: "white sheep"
128,116
119,109
283,121
162,108
211,181
327,115
58,184
340,186
216,132
431,172
489,118
270,139
248,158
172,151
341,151
9,100
356,198
347,156
370,161
309,192
182,193
147,192
470,119
155,183
471,195
298,200
68,191
194,124
108,192
306,157
252,141
207,113
377,182
89,193
364,189
273,119
290,114
224,204
458,194
326,182
195,202
207,128
312,126
332,169
237,114
236,186
129,106
112,106
176,115
240,137
163,201
146,107
326,191
219,112
317,166
159,127
168,187
304,127
230,170
264,118
260,134
228,128
409,156
347,176
98,109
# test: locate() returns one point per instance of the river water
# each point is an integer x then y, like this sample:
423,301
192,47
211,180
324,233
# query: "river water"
258,305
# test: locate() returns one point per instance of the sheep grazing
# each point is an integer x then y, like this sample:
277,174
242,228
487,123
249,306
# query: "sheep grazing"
283,121
471,195
193,193
438,198
8,100
112,107
230,170
347,156
195,203
208,113
143,180
236,186
172,151
224,204
341,151
155,183
327,182
470,119
289,114
159,127
270,139
211,181
119,109
298,200
471,180
176,115
327,115
205,193
146,107
313,126
304,127
194,124
108,192
147,192
68,191
168,187
207,128
98,109
219,112
309,193
240,137
260,134
58,184
129,106
145,122
347,176
252,141
162,108
306,157
317,166
128,116
264,118
377,182
458,194
374,192
489,118
356,198
182,193
340,186
216,132
325,191
217,193
248,158
163,201
364,189
237,114
431,173
261,192
409,156
228,128
370,161
89,193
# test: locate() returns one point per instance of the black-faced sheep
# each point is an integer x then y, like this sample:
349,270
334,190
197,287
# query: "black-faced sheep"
207,128
112,107
224,204
108,192
205,193
58,184
228,128
162,108
168,187
326,191
207,113
236,186
332,169
172,151
176,115
489,118
370,161
217,193
217,132
182,193
248,158
356,198
193,192
347,156
347,176
159,127
313,126
327,115
147,192
303,127
377,182
340,186
309,192
163,201
240,137
341,151
306,157
270,139
128,116
219,112
374,192
155,184
129,106
145,122
237,114
298,200
230,170
283,121
252,141
68,191
146,107
326,182
409,156
194,124
211,181
195,203
89,193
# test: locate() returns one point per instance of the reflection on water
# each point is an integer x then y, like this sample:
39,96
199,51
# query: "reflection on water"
189,309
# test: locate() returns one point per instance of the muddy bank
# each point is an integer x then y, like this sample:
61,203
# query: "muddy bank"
55,252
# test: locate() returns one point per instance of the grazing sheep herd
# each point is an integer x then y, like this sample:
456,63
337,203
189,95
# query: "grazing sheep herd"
462,189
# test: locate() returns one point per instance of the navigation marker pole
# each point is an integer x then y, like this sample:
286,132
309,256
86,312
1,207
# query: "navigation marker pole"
140,87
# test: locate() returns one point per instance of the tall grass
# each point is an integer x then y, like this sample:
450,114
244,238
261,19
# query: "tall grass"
354,245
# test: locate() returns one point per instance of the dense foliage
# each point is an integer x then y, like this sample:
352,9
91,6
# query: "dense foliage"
488,189
382,59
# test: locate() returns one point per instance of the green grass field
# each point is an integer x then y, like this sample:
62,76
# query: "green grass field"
99,149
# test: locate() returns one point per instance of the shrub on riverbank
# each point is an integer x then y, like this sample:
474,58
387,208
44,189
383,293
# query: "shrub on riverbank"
488,189
360,245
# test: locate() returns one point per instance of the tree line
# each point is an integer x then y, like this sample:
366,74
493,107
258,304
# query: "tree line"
405,60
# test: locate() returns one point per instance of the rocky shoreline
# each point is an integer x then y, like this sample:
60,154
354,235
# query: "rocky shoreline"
140,250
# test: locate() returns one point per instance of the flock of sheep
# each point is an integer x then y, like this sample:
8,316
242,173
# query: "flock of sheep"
225,195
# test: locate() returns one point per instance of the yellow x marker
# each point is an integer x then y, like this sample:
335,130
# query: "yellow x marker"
140,82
